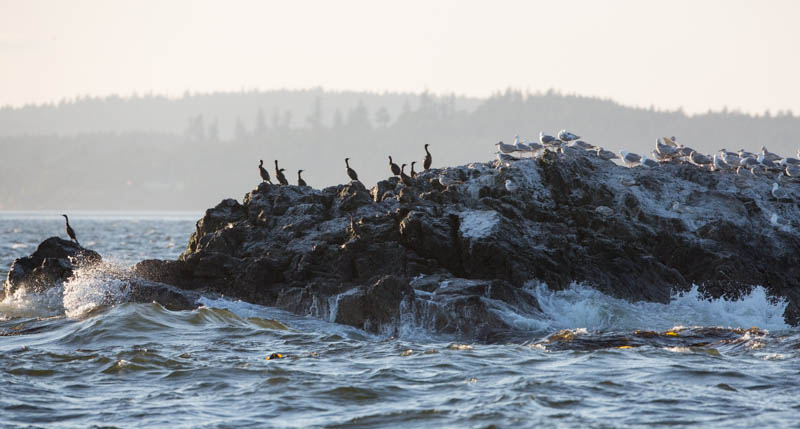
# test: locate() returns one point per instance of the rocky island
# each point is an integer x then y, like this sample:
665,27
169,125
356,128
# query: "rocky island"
449,248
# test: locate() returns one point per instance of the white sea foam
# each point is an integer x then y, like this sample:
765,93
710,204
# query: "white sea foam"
23,303
583,307
89,288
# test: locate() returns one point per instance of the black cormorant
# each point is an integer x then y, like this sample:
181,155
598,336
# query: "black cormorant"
279,174
428,159
263,172
70,231
395,169
350,172
412,172
404,177
300,181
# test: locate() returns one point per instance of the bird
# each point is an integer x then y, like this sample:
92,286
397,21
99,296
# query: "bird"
545,139
606,154
779,193
412,172
502,157
649,163
392,166
300,181
658,156
745,154
793,170
749,162
699,158
719,163
350,172
668,141
730,158
581,144
664,149
744,171
769,155
566,136
279,174
446,180
404,177
263,172
505,148
427,163
511,186
630,159
70,231
684,151
789,161
765,162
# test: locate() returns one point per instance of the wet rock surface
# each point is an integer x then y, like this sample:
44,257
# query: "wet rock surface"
454,258
56,261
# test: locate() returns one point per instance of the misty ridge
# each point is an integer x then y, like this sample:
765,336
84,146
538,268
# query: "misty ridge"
156,153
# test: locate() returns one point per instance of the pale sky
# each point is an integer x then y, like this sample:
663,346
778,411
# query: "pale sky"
691,54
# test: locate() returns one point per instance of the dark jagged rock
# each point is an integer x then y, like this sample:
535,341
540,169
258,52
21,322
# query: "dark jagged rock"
457,258
56,260
52,262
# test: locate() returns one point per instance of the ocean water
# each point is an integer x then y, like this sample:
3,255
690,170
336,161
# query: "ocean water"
588,360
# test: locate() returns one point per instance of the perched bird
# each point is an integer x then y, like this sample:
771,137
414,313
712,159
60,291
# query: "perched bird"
263,172
446,180
70,231
719,163
665,150
730,158
279,174
581,144
780,193
630,159
745,154
506,158
566,136
668,141
606,154
545,139
505,148
413,173
749,162
766,163
649,163
532,146
404,177
769,155
392,166
684,151
789,161
658,156
793,170
699,158
350,172
427,163
744,171
300,181
511,186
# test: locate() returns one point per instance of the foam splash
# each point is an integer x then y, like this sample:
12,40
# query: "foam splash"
583,307
89,288
23,303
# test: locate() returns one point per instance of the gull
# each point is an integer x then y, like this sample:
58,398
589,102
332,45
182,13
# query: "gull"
667,141
768,163
649,163
779,193
684,150
789,161
506,148
581,144
720,164
545,139
606,154
729,157
699,158
511,186
506,158
749,162
658,156
533,146
744,172
665,149
630,159
745,154
446,180
769,155
793,170
567,136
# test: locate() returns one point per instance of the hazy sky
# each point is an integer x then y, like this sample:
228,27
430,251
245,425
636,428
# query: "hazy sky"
696,54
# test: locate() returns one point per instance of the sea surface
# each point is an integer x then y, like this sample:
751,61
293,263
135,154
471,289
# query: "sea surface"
587,360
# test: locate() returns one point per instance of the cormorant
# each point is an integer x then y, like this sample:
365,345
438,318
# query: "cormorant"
263,172
428,159
279,174
300,181
70,231
350,172
404,177
413,173
395,169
